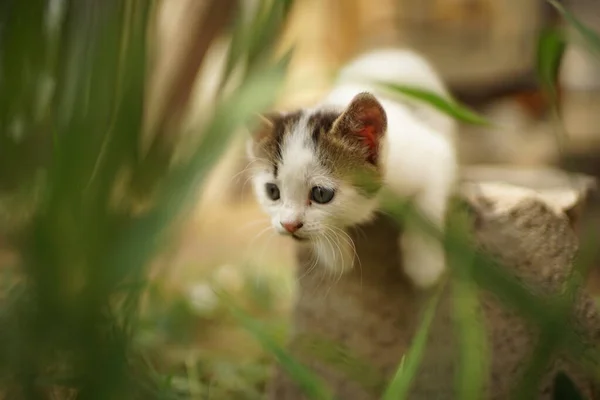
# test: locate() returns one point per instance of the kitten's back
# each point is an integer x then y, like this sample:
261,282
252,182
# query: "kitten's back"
400,67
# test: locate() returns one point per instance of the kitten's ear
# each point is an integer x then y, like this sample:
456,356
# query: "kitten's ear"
366,121
261,127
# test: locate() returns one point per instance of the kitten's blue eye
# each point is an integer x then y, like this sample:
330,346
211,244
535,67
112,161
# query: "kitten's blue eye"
272,191
321,195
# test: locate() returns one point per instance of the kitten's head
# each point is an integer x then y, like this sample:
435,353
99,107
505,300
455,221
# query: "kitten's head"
314,171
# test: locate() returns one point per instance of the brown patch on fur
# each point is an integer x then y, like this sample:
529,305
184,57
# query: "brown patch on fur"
320,124
269,136
346,143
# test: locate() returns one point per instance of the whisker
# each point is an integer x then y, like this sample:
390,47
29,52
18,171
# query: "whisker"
313,263
243,171
348,239
258,235
335,248
266,244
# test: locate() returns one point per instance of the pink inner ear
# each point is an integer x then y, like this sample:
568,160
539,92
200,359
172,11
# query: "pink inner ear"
370,131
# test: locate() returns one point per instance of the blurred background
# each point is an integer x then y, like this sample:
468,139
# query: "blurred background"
486,50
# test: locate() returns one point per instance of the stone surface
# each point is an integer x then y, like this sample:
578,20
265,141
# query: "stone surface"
523,218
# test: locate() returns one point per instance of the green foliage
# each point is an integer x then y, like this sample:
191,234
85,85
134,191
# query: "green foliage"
307,381
590,37
73,80
470,333
446,105
73,92
551,47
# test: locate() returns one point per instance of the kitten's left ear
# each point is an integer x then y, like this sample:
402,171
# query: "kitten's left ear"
262,126
366,121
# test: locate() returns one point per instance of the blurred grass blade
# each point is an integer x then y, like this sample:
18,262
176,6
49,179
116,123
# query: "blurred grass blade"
551,47
254,40
267,28
550,50
171,89
542,356
449,107
407,370
25,55
590,37
254,96
310,384
470,332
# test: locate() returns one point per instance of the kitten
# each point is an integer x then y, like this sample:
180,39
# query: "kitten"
308,166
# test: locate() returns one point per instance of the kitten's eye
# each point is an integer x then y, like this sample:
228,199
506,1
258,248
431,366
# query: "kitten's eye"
272,191
321,195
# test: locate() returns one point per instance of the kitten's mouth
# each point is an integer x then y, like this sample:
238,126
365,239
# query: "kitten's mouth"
299,239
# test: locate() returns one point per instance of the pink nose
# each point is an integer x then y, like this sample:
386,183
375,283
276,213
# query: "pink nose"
292,227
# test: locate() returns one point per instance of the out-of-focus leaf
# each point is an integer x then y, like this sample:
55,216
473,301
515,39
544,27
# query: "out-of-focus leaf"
310,384
551,46
590,37
543,353
550,49
267,29
254,40
447,106
23,85
408,367
168,98
255,95
470,332
75,311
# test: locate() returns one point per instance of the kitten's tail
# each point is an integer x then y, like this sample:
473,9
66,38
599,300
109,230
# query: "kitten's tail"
400,67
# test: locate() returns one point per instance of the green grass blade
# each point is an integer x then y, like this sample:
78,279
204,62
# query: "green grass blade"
252,41
551,47
550,50
590,37
447,106
406,371
267,29
254,96
470,332
310,384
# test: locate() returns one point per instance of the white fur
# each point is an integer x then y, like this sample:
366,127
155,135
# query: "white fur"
323,223
419,161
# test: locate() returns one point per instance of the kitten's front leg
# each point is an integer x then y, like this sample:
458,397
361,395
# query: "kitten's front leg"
423,256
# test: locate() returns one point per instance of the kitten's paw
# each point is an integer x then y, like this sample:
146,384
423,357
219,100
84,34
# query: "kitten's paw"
424,263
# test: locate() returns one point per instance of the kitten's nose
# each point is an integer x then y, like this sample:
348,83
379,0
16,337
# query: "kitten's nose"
293,226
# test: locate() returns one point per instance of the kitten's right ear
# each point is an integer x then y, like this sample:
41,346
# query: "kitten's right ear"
364,121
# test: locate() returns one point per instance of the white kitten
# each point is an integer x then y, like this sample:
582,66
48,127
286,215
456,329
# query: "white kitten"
309,166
